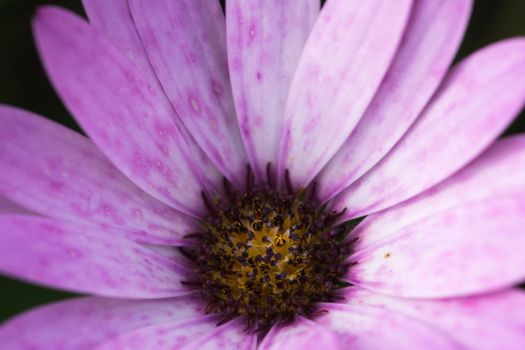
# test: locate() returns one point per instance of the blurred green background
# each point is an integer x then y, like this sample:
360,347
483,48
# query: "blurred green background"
24,84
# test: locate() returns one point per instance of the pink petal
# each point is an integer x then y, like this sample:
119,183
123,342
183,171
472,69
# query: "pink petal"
344,60
265,41
9,207
113,20
303,334
365,327
229,336
84,259
498,171
61,174
432,37
123,115
477,247
83,323
492,321
186,44
163,336
477,101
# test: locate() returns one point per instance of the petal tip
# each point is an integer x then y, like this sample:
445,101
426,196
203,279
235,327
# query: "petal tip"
46,13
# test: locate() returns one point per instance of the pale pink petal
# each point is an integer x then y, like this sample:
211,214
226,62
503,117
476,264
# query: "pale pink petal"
113,19
474,248
229,336
83,323
430,41
345,58
163,336
61,174
265,41
498,171
120,111
366,327
486,322
185,42
302,334
478,99
84,259
9,207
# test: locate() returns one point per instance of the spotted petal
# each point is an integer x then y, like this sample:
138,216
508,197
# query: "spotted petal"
185,42
265,41
80,258
364,327
119,110
61,174
470,249
229,336
113,19
479,98
336,79
486,322
498,171
430,41
83,323
163,336
302,334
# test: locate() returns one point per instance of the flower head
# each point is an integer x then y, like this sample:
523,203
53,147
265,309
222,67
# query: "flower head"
275,176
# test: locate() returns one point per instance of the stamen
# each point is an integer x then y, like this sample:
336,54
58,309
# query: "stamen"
188,253
288,182
209,206
269,177
313,191
228,189
250,180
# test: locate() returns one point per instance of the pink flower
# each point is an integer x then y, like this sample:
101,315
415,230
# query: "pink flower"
354,106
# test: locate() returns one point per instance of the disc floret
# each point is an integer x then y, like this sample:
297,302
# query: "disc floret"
269,256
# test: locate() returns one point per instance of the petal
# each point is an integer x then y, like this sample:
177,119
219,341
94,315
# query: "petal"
364,327
113,20
129,122
229,336
302,334
345,58
498,171
492,321
186,44
9,207
430,41
474,248
61,174
82,323
477,101
83,259
265,41
167,335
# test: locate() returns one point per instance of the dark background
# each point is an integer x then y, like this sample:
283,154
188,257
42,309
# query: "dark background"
24,84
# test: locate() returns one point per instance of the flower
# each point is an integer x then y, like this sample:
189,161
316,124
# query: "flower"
354,107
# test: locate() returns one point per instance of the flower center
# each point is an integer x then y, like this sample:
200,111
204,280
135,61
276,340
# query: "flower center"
268,256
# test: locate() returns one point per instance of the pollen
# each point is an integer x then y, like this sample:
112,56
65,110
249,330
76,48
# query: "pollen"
268,256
